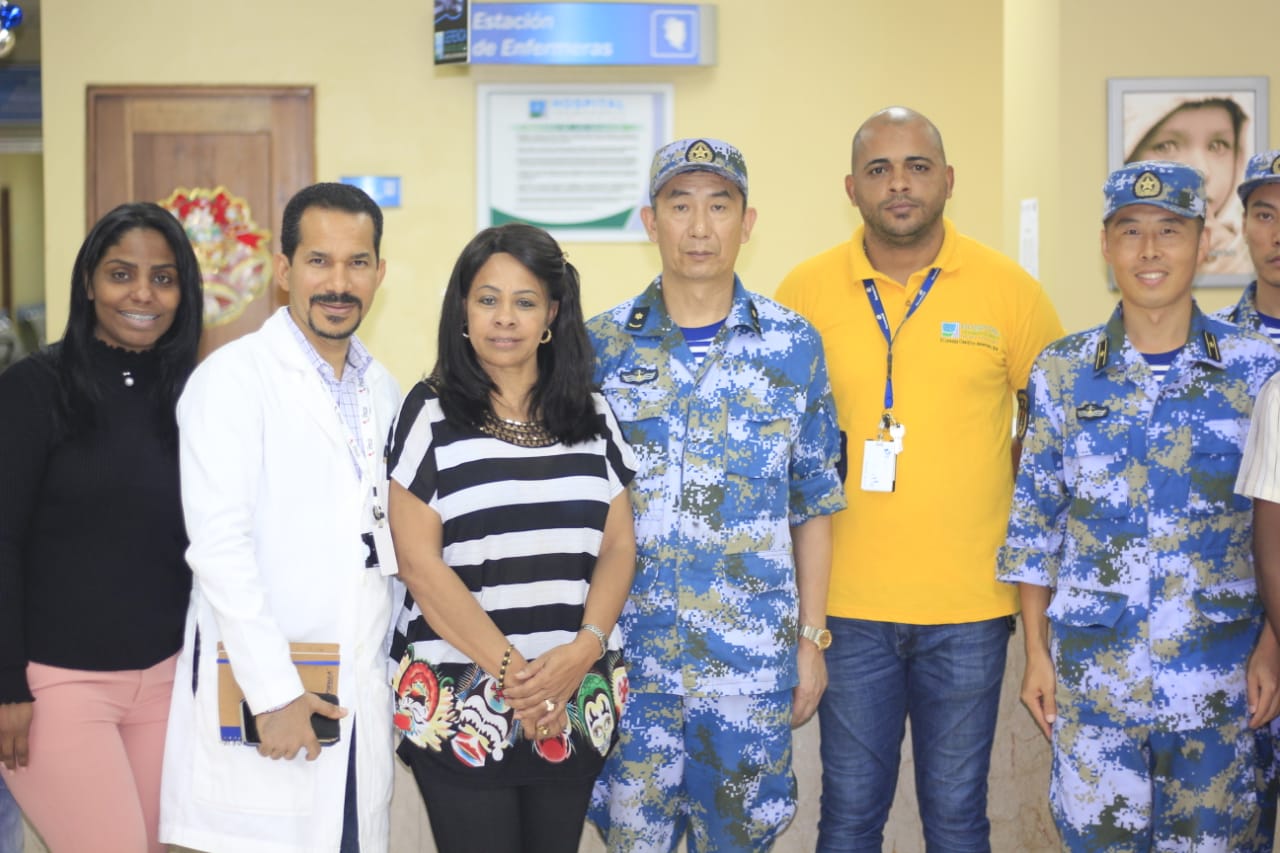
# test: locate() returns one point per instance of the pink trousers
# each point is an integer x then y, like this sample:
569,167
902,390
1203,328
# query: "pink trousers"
96,746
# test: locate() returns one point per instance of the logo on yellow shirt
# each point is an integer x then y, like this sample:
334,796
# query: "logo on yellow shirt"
971,334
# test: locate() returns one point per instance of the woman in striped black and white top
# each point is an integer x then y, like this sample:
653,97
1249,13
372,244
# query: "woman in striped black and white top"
514,537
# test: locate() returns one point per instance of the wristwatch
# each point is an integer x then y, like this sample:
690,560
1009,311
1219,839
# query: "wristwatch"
820,637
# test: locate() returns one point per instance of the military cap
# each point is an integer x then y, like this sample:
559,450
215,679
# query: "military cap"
697,155
1263,168
1175,187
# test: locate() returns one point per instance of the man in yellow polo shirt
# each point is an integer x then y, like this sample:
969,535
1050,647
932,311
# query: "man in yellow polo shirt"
929,338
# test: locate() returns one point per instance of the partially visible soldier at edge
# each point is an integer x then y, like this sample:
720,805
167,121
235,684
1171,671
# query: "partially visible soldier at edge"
1259,305
1259,310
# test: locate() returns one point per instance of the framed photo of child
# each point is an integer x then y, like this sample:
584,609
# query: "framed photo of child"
1212,123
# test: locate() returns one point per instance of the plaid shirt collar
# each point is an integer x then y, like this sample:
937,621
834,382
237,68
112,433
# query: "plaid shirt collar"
358,358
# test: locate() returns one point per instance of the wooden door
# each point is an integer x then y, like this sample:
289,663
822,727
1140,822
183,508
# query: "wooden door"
144,142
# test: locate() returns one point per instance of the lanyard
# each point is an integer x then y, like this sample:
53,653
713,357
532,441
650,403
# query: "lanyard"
361,456
877,308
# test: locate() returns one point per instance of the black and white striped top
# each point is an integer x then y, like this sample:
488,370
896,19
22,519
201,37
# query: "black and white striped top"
522,526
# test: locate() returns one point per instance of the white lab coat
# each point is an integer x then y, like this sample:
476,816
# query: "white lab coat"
275,510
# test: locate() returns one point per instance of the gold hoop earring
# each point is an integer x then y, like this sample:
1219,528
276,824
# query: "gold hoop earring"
546,336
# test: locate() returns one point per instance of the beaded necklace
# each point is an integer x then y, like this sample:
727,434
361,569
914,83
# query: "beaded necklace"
519,433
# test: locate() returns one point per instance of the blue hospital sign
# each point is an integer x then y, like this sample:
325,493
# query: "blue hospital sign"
592,34
384,189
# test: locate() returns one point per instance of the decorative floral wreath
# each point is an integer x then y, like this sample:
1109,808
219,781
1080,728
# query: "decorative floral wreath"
234,253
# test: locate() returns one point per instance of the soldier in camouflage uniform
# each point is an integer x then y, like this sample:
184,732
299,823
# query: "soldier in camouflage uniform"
724,396
1125,538
1259,305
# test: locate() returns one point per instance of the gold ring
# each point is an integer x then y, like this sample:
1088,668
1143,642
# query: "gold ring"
543,731
551,705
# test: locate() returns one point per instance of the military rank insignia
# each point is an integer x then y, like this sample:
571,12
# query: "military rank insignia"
1100,354
1211,345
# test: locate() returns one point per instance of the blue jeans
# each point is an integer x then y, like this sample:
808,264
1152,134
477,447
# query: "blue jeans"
946,678
10,822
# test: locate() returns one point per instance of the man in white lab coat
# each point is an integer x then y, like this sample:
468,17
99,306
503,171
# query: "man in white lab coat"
283,486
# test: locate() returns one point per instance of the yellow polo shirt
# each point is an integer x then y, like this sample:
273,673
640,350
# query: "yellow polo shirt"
925,553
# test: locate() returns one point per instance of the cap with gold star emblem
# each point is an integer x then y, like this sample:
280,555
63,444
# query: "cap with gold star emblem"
1175,187
697,155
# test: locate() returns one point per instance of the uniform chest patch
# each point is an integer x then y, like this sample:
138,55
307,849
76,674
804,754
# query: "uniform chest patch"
641,375
1091,412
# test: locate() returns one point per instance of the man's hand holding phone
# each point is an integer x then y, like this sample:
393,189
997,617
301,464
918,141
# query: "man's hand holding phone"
304,724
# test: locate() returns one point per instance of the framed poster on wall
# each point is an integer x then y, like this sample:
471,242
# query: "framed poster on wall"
1213,123
573,159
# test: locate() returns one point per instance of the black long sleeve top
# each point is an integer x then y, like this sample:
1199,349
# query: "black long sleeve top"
92,541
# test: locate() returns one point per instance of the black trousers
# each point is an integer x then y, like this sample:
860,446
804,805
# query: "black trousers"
546,817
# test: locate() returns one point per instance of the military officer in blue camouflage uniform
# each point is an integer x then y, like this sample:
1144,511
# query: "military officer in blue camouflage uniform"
723,394
1259,309
1259,305
1131,550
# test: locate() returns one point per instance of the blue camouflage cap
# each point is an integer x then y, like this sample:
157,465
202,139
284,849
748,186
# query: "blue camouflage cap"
1263,168
1176,187
697,155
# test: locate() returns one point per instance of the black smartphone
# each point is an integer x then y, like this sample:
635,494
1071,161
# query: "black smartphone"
326,729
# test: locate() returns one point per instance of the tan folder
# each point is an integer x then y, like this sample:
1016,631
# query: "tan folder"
317,665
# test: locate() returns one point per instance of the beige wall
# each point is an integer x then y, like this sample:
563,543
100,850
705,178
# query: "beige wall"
22,174
1032,75
1060,54
789,95
1017,88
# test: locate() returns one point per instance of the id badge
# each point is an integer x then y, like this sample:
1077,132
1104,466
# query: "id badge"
380,551
879,465
384,551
